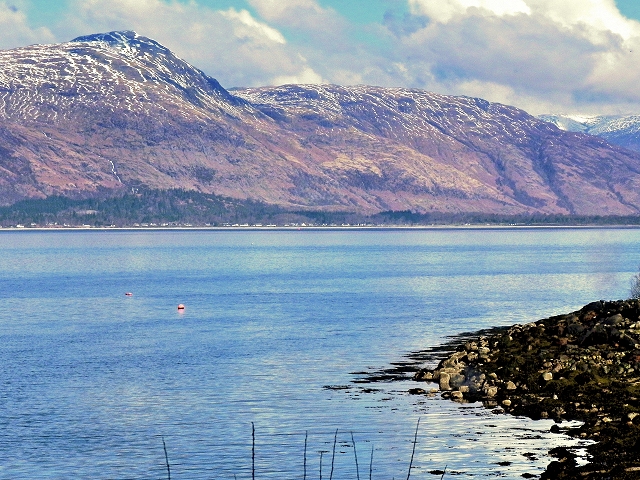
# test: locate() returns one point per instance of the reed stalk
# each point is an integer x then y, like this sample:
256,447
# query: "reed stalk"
166,459
306,435
415,441
355,453
333,456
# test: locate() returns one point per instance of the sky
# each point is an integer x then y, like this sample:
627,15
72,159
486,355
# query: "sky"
545,56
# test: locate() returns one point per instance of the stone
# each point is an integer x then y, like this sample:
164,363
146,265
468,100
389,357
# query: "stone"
424,375
417,391
444,381
456,380
510,385
506,402
491,391
546,376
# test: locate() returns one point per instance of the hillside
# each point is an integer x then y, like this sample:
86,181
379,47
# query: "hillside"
111,113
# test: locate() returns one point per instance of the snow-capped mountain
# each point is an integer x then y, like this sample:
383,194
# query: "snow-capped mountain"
622,130
115,111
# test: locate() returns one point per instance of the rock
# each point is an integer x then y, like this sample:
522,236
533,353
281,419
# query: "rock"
546,376
457,395
490,392
444,381
616,319
424,375
511,386
417,391
506,402
456,380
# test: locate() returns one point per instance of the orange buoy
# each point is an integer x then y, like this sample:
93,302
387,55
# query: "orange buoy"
129,294
181,307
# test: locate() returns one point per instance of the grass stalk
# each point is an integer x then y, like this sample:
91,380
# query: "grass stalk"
371,464
166,459
306,435
415,441
355,453
333,456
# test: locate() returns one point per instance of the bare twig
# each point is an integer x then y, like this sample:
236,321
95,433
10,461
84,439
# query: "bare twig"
253,451
333,456
306,435
355,453
443,472
415,441
166,459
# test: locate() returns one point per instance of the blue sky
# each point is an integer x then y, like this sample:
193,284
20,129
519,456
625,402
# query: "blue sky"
569,56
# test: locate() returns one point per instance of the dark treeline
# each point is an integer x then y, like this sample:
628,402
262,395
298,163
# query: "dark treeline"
180,207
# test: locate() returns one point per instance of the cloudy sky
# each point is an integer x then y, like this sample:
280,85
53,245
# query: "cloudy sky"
546,56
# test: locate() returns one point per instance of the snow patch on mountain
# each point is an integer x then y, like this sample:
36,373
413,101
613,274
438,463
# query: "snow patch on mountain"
91,73
622,130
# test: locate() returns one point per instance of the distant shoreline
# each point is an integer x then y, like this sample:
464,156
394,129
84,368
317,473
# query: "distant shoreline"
322,228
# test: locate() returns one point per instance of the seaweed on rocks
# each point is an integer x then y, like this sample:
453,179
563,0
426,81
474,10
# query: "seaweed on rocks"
583,366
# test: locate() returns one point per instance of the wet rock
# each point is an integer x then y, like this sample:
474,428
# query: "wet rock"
417,391
457,395
490,392
456,380
444,381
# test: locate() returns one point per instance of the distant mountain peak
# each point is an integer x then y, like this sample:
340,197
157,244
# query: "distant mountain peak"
622,130
124,39
118,36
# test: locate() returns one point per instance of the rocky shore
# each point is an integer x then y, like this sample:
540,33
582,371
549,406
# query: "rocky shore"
581,366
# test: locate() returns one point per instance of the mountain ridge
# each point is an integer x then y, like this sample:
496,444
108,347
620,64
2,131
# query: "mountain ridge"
621,130
113,112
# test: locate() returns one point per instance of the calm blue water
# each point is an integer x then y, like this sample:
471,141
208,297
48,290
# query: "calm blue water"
93,380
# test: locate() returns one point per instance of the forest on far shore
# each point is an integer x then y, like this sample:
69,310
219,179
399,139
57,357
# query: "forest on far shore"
171,208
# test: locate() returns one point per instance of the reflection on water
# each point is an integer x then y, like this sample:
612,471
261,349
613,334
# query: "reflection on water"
92,380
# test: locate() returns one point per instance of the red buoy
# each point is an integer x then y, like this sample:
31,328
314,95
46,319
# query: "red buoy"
181,307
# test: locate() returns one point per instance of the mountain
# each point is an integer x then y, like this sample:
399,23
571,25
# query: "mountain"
622,130
115,112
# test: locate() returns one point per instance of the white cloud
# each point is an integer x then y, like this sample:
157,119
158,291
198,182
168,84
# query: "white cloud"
307,76
590,15
577,55
245,18
16,31
445,10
